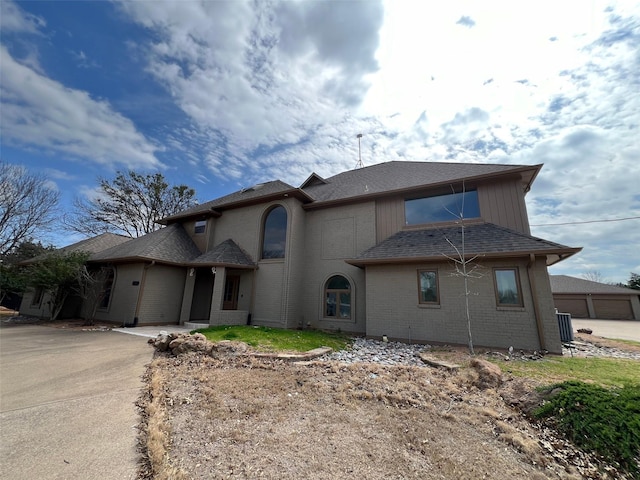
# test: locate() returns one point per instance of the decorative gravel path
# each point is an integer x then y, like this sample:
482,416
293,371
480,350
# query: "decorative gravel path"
396,353
584,349
375,351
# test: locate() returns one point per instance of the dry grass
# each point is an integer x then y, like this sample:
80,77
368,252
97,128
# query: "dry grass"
252,418
156,439
245,417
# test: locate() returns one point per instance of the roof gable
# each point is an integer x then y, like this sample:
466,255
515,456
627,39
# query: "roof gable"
227,253
314,179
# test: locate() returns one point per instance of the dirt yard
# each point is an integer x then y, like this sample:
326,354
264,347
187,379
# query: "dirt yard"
242,417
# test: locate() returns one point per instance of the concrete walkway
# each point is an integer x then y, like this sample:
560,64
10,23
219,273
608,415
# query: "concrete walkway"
622,329
67,403
152,332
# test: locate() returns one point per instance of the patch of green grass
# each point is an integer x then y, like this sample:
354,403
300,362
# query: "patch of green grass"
603,371
602,420
276,339
628,342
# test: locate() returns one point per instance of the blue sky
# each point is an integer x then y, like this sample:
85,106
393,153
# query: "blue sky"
222,95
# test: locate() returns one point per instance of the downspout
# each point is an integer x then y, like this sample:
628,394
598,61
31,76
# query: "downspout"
536,305
141,291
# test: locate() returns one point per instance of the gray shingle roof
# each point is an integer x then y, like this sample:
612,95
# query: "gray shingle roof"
225,253
171,244
398,176
362,182
484,239
567,284
260,190
95,244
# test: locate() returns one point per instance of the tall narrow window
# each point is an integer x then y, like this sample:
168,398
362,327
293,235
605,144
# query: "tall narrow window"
38,293
274,235
107,287
428,287
508,291
338,298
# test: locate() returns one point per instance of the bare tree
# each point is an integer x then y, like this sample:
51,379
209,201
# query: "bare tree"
130,204
26,206
593,276
464,266
94,284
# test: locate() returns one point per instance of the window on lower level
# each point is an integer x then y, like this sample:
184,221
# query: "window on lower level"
36,300
107,288
507,285
337,298
428,287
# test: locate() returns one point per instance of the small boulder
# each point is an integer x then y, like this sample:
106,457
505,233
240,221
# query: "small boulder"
588,331
161,342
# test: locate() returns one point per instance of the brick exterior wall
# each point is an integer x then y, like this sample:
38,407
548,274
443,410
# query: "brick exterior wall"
333,235
393,308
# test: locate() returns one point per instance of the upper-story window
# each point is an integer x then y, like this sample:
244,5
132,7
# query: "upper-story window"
274,233
200,226
442,208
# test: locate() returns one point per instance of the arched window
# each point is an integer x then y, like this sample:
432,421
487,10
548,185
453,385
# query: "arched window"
337,298
274,233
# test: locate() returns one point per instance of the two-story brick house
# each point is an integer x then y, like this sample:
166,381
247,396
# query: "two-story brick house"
369,251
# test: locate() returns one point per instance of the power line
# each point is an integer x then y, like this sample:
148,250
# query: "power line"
586,221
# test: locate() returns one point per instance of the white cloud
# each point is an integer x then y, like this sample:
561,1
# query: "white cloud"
15,20
43,113
260,77
280,90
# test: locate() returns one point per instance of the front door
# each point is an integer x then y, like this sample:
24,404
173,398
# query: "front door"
201,302
231,287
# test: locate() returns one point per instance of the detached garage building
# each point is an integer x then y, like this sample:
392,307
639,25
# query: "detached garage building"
586,299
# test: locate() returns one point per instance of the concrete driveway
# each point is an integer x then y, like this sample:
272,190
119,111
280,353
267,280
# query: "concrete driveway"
67,403
623,329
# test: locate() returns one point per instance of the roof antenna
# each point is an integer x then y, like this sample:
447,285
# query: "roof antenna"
359,164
